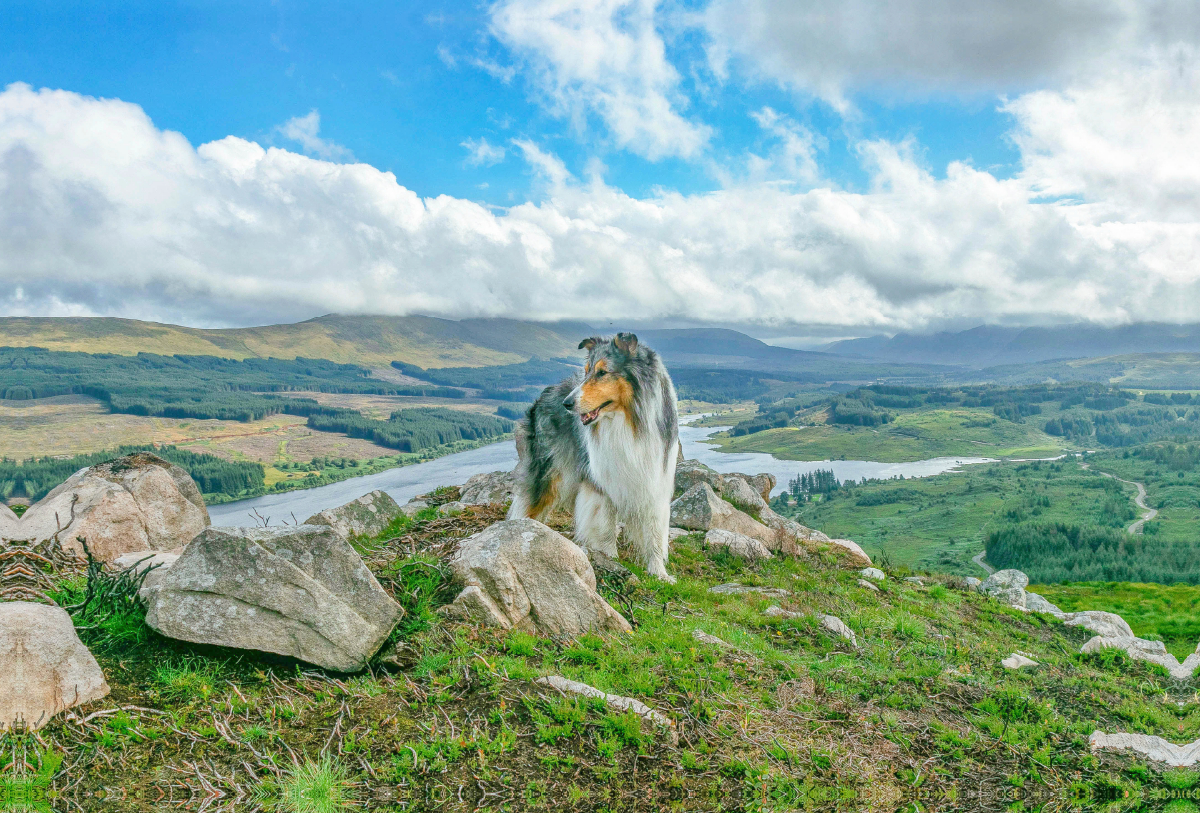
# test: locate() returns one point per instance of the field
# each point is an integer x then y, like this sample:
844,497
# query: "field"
917,715
1170,613
938,523
915,435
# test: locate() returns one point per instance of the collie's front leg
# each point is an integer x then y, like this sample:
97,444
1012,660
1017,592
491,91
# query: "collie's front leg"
595,522
649,537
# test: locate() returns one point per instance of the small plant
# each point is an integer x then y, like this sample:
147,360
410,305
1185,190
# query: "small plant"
314,787
185,680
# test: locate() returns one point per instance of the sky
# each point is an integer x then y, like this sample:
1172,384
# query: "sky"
801,170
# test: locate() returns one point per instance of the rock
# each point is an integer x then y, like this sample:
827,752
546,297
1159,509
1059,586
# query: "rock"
607,569
972,583
743,496
1105,625
764,484
917,580
44,667
775,611
700,509
872,573
712,640
1018,661
838,627
134,503
853,553
494,488
675,533
412,507
451,509
737,544
1014,597
1151,651
615,702
1037,604
295,590
868,585
1004,580
692,472
366,516
1156,748
736,589
519,574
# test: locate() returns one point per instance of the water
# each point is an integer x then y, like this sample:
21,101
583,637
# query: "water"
407,482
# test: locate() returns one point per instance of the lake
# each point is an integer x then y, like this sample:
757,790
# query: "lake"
408,481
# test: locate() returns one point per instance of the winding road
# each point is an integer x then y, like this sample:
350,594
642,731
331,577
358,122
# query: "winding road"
1139,501
1134,528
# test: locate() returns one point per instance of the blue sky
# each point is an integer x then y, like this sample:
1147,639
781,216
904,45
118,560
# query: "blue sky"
395,85
796,168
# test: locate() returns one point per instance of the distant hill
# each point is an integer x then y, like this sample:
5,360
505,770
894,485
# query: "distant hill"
373,341
990,345
1135,370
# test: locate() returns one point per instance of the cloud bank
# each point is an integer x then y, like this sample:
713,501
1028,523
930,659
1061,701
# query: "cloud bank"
103,213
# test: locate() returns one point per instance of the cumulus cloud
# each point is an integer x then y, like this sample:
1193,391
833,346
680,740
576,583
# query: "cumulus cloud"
481,153
305,131
989,46
604,58
102,212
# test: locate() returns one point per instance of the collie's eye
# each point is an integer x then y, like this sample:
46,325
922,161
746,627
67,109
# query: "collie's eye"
600,374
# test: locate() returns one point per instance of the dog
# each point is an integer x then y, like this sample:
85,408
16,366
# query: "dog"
604,443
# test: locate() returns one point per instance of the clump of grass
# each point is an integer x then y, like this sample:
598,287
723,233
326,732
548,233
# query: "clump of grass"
186,679
322,786
420,584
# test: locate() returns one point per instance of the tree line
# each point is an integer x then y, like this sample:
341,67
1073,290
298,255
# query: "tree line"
413,430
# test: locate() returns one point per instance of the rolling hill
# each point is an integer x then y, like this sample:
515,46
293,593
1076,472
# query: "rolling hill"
373,341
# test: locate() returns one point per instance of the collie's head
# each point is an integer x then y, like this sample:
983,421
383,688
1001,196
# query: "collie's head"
616,376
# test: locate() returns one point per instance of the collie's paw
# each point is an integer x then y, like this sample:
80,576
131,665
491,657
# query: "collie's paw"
661,574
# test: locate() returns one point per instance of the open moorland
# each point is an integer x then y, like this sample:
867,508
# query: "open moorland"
777,714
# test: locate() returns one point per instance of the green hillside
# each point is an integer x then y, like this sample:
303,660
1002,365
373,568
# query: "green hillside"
369,340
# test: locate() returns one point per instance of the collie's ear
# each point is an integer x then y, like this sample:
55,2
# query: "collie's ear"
589,343
626,342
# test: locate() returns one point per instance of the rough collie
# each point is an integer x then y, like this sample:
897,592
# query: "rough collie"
604,444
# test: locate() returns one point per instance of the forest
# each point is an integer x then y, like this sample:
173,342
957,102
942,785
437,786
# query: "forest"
35,478
189,386
1060,552
413,430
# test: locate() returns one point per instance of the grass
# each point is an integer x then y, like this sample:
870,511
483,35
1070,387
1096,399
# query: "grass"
938,523
914,435
1169,613
789,716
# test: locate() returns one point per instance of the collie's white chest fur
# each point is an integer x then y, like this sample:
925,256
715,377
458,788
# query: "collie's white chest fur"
631,467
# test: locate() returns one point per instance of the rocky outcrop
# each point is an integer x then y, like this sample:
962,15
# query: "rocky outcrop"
736,589
1007,586
299,590
413,507
451,509
872,573
1104,625
366,516
690,473
44,667
743,496
1037,604
1155,748
135,503
736,544
493,488
520,574
1151,651
700,509
838,627
156,562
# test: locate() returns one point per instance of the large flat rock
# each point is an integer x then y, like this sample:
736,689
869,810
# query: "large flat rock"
300,591
366,516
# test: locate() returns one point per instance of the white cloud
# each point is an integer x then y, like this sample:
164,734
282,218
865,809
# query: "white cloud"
481,153
305,130
603,58
989,46
101,212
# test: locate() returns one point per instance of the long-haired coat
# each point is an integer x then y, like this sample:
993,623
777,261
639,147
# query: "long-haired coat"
604,444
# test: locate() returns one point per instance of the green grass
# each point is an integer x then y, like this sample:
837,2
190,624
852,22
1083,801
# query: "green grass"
1170,613
914,435
315,787
938,523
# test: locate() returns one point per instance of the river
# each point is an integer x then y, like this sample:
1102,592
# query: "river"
408,481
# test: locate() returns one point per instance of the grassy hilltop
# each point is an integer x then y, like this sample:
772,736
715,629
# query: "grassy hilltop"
919,715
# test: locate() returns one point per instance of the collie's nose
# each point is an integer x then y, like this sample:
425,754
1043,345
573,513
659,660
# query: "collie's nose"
569,403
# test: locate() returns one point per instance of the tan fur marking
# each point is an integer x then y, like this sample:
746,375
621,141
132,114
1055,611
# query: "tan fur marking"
611,388
546,503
